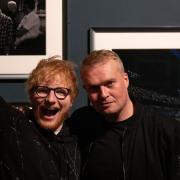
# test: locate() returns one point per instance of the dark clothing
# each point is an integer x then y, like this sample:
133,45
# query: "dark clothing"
35,46
6,34
28,152
15,16
149,148
106,154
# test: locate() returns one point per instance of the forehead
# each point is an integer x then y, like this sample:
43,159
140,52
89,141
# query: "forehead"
101,73
55,80
105,67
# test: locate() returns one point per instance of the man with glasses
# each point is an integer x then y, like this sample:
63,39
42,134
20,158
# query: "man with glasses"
38,145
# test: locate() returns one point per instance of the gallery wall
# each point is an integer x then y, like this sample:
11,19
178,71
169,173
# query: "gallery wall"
81,15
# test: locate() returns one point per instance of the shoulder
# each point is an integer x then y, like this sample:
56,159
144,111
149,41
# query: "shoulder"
8,18
86,123
155,119
5,108
86,115
86,111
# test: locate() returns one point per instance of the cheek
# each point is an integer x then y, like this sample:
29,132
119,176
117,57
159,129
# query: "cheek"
120,93
66,104
36,101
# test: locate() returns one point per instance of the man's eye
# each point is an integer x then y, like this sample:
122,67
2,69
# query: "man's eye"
42,90
110,84
61,91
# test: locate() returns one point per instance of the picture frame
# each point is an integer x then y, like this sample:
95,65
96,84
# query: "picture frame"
137,37
151,57
19,66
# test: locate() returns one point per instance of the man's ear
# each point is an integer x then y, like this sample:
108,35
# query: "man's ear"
126,79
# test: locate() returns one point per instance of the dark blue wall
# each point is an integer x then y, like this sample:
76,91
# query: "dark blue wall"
13,91
85,14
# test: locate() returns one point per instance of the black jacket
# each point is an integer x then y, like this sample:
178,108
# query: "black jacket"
151,145
30,153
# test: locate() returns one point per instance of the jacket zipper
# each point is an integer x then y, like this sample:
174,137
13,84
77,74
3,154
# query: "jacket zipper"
86,162
123,160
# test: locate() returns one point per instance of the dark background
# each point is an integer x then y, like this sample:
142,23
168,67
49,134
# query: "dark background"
153,69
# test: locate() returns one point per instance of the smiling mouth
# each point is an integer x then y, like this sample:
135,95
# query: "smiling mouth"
49,112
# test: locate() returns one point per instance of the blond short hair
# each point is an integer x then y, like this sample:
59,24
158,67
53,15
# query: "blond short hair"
100,56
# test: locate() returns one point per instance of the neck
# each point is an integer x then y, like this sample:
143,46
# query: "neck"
126,112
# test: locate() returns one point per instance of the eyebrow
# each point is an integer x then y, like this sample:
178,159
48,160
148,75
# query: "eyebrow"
101,84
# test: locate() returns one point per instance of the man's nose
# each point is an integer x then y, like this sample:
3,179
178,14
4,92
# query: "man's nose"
51,96
103,92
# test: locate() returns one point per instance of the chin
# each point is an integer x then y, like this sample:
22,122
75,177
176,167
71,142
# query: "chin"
49,125
106,111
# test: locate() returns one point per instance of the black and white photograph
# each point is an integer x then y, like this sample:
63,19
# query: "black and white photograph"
29,30
23,27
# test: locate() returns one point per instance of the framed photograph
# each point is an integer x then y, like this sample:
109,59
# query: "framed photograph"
19,66
151,57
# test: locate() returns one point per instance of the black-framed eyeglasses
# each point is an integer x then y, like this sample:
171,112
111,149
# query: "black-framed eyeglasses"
43,91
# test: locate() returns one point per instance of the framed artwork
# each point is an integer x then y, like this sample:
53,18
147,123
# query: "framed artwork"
151,57
135,38
19,66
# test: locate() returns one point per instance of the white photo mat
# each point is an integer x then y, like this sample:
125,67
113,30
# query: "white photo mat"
135,38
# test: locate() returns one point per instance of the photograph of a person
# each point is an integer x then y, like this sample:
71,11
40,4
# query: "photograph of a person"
23,27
